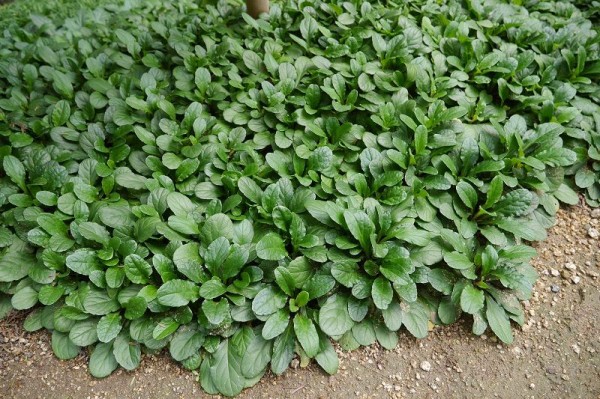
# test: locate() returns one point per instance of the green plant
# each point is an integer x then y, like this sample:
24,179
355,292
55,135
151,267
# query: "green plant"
242,191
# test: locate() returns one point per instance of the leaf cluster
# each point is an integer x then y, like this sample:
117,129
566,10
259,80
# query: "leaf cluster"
240,192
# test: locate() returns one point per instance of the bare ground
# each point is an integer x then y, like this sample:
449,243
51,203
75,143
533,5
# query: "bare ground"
555,355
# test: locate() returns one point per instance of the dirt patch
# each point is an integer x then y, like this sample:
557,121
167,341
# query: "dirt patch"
554,356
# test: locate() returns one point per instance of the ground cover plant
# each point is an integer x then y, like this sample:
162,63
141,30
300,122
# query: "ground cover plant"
180,176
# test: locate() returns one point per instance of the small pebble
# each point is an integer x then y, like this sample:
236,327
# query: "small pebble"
554,288
425,365
575,279
570,266
593,233
295,363
554,272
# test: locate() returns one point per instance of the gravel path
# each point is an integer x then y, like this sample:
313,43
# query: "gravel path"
555,355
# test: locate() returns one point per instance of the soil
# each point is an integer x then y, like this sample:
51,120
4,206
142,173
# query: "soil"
555,355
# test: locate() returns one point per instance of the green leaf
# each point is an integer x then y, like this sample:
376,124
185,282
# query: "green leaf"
216,312
283,351
276,324
94,232
212,289
364,333
321,159
127,352
566,194
386,338
585,178
458,261
15,263
252,61
61,113
135,308
225,370
102,361
24,298
62,84
471,299
268,301
250,189
82,261
392,316
467,194
109,327
361,228
334,318
63,347
382,293
447,310
494,191
164,328
498,320
515,203
441,280
271,247
185,343
137,269
15,170
84,333
415,319
257,357
307,335
523,228
188,261
100,303
327,357
216,226
176,293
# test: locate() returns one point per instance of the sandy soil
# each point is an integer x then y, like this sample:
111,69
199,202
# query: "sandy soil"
554,356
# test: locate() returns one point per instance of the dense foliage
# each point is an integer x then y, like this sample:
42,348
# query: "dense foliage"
182,176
